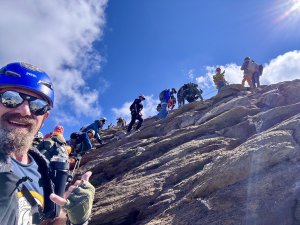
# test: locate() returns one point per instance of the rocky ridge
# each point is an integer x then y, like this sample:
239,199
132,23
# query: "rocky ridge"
232,159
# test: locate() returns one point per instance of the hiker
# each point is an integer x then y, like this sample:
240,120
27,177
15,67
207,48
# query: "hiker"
192,92
136,113
96,126
121,122
165,97
189,92
180,97
172,100
219,79
48,135
27,180
54,145
257,73
80,142
38,138
248,67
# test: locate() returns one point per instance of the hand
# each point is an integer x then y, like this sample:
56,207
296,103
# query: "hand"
78,200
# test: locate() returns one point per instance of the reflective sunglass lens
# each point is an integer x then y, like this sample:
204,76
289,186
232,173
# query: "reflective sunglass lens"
38,107
11,99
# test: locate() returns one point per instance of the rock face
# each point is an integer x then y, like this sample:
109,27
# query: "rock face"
232,159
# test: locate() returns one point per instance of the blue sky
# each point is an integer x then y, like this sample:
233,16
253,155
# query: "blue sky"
101,54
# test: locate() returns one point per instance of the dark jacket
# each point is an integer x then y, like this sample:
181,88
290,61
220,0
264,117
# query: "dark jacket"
10,185
96,126
136,106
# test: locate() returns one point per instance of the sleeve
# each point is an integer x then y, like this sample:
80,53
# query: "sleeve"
97,135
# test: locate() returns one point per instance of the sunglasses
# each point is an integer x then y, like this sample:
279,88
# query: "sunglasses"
13,99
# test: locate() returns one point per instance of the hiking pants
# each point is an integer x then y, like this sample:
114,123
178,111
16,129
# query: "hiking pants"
180,100
248,78
85,143
220,85
255,79
164,111
135,116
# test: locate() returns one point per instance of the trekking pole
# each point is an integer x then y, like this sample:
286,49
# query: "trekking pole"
76,166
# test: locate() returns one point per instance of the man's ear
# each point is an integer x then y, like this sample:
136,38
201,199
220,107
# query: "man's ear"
47,114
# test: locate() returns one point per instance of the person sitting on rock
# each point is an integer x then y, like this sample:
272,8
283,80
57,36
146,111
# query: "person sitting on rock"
96,126
136,113
165,97
219,79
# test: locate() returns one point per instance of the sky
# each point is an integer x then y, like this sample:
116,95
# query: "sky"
101,54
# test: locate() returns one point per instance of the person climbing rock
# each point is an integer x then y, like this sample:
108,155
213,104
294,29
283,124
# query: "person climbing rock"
165,97
189,92
136,113
96,126
219,79
172,100
81,142
54,145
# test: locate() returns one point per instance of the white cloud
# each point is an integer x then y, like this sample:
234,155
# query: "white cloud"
149,109
284,67
58,36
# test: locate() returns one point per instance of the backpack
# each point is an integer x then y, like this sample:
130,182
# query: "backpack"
75,135
162,95
260,69
252,66
53,146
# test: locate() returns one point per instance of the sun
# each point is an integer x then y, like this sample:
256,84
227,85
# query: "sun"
293,9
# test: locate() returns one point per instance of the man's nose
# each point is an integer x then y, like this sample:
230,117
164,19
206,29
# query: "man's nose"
24,109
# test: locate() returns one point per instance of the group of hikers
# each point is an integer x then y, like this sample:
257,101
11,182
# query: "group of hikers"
33,164
191,92
252,72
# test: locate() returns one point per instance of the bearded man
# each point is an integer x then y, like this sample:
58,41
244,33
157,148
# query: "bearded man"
27,193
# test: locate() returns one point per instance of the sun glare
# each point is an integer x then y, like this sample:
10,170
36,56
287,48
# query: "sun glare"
293,9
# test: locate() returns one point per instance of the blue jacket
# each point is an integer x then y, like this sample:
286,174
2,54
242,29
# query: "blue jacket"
94,126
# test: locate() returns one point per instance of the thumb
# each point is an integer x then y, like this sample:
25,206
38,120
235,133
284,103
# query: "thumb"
58,200
86,176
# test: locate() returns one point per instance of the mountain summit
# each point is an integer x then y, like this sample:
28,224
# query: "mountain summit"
232,159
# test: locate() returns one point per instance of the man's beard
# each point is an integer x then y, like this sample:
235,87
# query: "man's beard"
17,141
